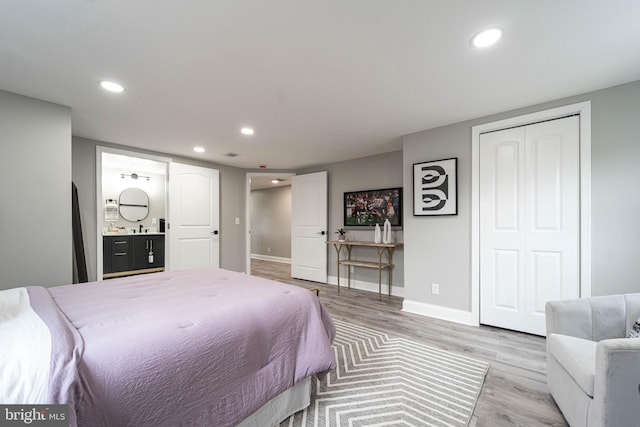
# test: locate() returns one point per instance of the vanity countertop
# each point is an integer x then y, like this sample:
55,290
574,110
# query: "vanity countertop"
125,233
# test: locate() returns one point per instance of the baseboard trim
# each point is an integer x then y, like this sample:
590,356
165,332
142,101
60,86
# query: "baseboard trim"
362,285
271,258
439,312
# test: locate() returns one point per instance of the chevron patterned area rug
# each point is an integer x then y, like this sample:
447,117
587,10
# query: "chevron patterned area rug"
388,381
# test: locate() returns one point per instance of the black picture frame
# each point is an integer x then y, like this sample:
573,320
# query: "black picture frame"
366,208
435,188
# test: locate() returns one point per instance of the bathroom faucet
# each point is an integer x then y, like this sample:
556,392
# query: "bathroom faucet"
140,228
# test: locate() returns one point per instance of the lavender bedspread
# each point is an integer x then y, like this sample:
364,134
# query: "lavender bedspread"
201,347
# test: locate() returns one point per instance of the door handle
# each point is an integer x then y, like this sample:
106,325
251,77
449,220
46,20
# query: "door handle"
322,233
214,232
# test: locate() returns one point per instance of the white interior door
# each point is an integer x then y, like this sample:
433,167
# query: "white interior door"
193,217
309,227
529,222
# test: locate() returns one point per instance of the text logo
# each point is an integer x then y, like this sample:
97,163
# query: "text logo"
34,415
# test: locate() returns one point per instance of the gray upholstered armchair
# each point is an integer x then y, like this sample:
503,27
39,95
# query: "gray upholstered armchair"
593,370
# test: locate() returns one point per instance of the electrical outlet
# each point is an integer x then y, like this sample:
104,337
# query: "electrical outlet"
351,268
268,249
435,289
237,220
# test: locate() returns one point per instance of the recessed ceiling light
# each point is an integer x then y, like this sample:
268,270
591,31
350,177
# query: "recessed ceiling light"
275,181
111,86
198,149
486,38
247,131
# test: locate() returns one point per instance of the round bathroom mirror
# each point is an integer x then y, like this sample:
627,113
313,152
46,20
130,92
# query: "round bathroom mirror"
134,204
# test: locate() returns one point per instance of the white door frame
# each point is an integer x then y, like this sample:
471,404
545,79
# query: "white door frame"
247,211
582,108
100,200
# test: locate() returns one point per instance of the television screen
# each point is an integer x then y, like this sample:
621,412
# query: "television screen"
371,207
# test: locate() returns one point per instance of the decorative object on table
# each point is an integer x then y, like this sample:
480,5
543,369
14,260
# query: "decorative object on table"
386,233
370,207
396,382
342,234
435,188
377,237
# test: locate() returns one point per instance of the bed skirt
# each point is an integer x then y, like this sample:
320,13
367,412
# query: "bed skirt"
282,406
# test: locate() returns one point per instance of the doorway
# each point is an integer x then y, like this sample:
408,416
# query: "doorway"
268,217
117,170
582,110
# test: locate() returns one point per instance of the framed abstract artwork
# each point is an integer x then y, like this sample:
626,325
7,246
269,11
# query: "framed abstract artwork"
435,188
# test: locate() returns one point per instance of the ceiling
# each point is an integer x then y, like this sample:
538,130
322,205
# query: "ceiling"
319,81
265,180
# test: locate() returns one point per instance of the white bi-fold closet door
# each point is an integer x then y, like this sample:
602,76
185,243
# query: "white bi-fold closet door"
529,222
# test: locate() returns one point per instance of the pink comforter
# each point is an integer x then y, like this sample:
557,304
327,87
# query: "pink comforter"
201,347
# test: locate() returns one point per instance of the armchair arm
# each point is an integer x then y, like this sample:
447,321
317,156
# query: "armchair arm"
569,317
616,394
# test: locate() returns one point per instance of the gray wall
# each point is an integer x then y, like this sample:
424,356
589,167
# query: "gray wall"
271,222
36,140
232,182
440,248
367,173
35,194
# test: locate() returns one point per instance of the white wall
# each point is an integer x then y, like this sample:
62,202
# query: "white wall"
438,249
113,184
35,193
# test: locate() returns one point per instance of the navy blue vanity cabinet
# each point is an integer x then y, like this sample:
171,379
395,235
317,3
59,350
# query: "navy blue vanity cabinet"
132,254
148,251
116,254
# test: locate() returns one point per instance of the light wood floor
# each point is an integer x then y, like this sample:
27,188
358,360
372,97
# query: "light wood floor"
515,391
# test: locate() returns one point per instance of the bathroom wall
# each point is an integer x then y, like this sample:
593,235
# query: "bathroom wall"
113,184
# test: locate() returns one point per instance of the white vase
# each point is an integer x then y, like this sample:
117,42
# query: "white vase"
377,235
386,235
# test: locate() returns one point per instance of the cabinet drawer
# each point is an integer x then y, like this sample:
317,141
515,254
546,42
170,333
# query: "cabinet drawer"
119,244
120,261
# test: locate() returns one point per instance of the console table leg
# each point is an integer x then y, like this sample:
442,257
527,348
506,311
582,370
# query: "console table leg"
349,267
380,253
338,248
390,252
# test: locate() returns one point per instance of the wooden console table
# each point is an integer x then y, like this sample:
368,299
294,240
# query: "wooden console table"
381,248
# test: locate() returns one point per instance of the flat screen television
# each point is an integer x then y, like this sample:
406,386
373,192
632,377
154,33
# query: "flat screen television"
370,207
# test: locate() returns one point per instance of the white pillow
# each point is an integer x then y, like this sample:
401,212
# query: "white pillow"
635,330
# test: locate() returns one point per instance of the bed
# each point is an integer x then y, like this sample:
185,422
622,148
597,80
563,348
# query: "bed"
195,348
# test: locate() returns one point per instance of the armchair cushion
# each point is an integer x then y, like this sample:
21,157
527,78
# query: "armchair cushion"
593,369
577,356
